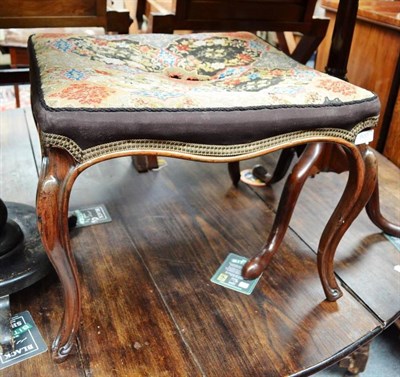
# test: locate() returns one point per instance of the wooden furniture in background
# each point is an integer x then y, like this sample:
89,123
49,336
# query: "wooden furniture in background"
374,64
166,16
49,13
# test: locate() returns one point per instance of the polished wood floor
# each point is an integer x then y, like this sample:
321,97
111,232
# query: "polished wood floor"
149,308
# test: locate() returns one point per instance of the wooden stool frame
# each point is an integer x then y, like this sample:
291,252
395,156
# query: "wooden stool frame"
60,170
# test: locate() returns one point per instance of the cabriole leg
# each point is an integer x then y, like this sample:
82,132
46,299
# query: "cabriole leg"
52,208
305,167
234,172
360,184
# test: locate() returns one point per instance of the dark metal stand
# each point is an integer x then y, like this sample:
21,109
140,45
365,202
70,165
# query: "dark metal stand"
22,260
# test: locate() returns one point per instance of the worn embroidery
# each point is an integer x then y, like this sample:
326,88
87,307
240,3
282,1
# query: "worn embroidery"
210,70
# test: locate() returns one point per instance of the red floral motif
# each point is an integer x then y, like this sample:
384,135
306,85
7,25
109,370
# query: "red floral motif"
246,58
85,93
100,42
183,47
279,72
337,87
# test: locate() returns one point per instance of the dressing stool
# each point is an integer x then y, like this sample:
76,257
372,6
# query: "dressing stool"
211,97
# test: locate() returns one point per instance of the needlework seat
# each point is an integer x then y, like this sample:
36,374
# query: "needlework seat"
214,97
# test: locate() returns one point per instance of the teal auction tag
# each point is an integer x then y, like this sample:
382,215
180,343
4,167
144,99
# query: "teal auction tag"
27,339
91,216
394,240
229,275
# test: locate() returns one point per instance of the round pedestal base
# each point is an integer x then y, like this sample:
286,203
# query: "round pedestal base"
27,262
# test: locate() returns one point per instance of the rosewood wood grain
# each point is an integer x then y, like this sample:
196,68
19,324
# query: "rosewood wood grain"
55,183
55,187
295,181
282,166
356,195
234,172
337,66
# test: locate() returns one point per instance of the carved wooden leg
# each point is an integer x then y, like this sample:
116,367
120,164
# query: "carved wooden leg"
374,213
285,159
145,163
234,172
356,194
52,208
305,167
282,167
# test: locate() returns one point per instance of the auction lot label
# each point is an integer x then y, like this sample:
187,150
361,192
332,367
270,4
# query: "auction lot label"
27,338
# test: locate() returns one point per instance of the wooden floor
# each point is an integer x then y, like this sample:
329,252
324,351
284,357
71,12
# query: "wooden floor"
149,308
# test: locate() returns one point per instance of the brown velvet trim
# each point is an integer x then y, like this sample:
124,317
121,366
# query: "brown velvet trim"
201,152
89,129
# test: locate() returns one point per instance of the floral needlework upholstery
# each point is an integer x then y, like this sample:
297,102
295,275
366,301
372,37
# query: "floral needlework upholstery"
209,88
164,71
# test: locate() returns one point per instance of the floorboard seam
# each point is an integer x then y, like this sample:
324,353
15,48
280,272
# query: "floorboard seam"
85,368
363,304
195,359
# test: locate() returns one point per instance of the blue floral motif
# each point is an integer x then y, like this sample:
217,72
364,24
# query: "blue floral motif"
256,45
289,89
134,70
253,76
165,58
306,74
226,73
74,74
62,44
160,94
